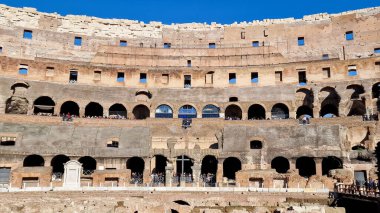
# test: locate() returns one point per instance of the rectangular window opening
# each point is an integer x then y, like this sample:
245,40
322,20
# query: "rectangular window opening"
212,45
97,75
301,41
143,79
242,35
349,35
1,49
73,76
187,81
120,77
232,78
28,34
123,43
325,56
255,43
167,45
113,144
23,69
302,78
254,77
49,71
188,63
209,77
165,78
376,50
78,41
352,70
326,72
141,44
278,76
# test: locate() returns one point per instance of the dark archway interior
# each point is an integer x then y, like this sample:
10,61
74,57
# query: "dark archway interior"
214,146
173,211
70,107
357,91
306,166
43,104
304,110
187,164
57,163
230,166
329,109
280,111
160,165
308,99
94,110
233,112
88,163
209,165
377,152
256,112
280,164
33,161
136,165
118,110
358,108
141,112
330,163
376,90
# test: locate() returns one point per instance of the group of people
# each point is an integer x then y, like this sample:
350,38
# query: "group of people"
372,117
208,178
367,187
157,178
232,118
136,178
184,177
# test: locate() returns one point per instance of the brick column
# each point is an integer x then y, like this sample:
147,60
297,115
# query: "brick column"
318,166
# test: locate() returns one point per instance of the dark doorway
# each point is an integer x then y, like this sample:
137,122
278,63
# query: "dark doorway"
57,163
329,111
43,104
93,109
230,166
161,162
358,108
280,111
118,111
70,107
187,164
256,112
209,165
304,111
233,112
33,161
280,164
255,145
141,112
330,163
88,164
306,166
136,165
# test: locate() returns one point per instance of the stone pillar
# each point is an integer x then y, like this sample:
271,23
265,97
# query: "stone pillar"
146,173
268,114
292,164
81,111
219,172
292,114
316,112
168,174
318,166
244,115
196,172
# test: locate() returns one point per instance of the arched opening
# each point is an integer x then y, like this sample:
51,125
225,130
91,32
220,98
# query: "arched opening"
187,111
256,112
358,147
357,90
306,166
57,163
280,111
376,90
255,145
214,146
136,165
304,111
93,109
233,112
305,97
280,164
16,105
43,104
88,164
329,111
160,164
230,166
181,202
357,108
70,107
209,165
141,112
210,111
164,111
329,163
33,161
184,165
118,111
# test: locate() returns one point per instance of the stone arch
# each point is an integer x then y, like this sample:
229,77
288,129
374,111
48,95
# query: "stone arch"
43,104
256,112
357,91
141,112
19,88
93,109
231,165
88,164
187,165
330,102
209,165
17,103
330,163
305,97
210,111
306,166
33,161
233,112
304,111
143,95
376,90
117,110
187,111
57,163
164,111
70,107
329,110
280,111
280,164
357,108
136,165
160,164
